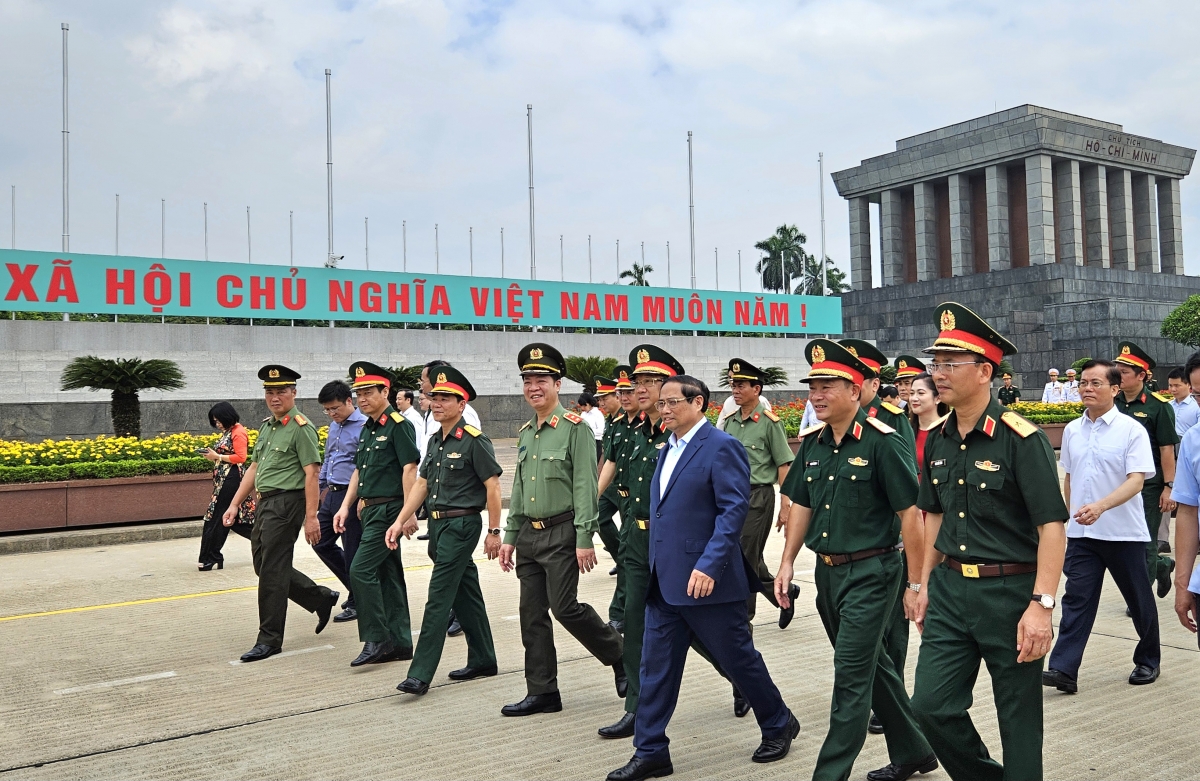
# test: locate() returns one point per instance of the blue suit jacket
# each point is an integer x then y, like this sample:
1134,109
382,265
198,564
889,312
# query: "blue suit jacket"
697,524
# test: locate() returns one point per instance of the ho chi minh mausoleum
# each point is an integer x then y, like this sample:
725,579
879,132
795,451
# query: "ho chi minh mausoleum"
1063,231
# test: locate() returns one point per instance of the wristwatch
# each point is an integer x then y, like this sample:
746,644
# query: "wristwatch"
1170,484
1045,600
494,531
914,587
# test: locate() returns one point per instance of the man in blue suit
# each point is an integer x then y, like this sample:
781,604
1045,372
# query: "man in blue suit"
698,582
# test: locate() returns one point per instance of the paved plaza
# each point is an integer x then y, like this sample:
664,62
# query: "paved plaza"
121,662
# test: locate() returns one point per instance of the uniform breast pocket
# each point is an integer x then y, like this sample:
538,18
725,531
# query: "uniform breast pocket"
854,486
985,498
555,465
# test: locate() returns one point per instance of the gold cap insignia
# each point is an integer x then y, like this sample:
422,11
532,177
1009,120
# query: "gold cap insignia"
1125,350
643,356
273,374
947,320
624,375
737,367
360,372
818,354
441,379
536,353
852,351
903,364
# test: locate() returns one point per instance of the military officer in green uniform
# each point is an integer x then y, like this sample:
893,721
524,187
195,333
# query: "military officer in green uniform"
851,482
995,542
1007,394
612,446
610,533
907,369
551,522
762,434
385,470
458,478
1158,418
283,471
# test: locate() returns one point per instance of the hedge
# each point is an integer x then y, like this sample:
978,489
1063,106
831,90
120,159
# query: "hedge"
103,470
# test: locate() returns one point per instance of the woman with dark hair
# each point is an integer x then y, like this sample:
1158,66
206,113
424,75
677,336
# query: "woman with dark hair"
229,455
925,412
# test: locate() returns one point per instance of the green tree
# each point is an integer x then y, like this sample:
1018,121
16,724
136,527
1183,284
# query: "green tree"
772,376
407,377
638,275
835,278
784,257
1078,365
887,374
125,377
582,370
1183,324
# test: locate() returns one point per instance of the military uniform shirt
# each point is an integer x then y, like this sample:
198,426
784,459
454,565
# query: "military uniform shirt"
387,444
993,489
1159,419
1009,396
878,409
765,441
556,472
645,444
616,436
284,447
456,468
854,488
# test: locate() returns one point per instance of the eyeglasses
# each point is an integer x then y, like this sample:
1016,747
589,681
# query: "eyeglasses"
1097,384
648,382
946,368
330,411
663,404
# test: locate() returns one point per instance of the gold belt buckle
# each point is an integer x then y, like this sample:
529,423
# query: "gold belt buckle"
643,525
970,570
537,524
827,559
435,515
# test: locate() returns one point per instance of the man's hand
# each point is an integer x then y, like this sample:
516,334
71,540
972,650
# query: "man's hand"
783,584
700,585
339,520
1034,633
230,516
506,557
586,557
920,608
410,527
1089,514
1165,503
491,546
785,509
910,604
312,529
1185,607
391,537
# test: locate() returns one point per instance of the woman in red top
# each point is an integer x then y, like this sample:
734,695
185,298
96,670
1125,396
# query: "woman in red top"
925,412
229,455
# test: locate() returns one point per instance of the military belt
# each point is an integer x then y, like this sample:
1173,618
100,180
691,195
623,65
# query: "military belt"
277,491
838,559
374,500
989,570
554,520
335,488
623,493
643,524
439,515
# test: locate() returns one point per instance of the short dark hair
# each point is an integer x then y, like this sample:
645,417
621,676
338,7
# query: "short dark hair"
1177,374
335,390
1193,363
586,398
223,412
436,362
409,395
1112,373
889,391
691,387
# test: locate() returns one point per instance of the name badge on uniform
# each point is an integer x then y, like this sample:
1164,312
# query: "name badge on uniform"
939,462
812,463
454,455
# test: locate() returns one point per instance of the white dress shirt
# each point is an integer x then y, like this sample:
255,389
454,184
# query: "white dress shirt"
413,415
1053,393
730,406
1187,484
595,419
810,417
1187,414
675,448
1099,455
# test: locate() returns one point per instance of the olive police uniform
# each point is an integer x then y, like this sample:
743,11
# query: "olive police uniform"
455,468
1158,418
553,512
386,445
993,488
855,487
765,440
1008,396
616,433
609,506
284,447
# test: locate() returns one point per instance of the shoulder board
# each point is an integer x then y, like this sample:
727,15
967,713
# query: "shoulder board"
528,423
1018,424
300,419
940,421
267,418
397,417
811,429
892,408
879,425
771,415
573,417
1164,397
471,430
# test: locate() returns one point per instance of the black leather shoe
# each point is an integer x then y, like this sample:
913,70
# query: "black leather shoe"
620,679
349,614
413,686
613,571
1060,681
775,749
455,629
424,536
740,705
638,768
1129,612
260,652
622,729
875,726
787,614
894,772
345,604
471,673
1164,579
324,610
1143,674
377,653
618,625
1164,546
534,704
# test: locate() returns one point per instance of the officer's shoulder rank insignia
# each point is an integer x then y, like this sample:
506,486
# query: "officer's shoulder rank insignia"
528,423
397,417
811,429
458,432
892,408
1164,397
1018,424
1140,415
267,418
472,430
987,466
301,420
573,417
856,461
771,415
881,426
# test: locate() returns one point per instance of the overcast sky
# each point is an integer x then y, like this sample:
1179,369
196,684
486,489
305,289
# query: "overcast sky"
224,102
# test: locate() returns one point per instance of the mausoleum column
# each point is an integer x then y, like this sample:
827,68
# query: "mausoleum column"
891,240
1170,226
962,258
996,183
1068,213
1120,217
1145,224
1039,194
860,243
925,225
1095,215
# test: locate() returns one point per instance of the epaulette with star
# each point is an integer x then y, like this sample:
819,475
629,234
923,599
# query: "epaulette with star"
397,417
573,417
879,425
471,430
1018,424
811,429
892,408
771,415
300,419
1167,397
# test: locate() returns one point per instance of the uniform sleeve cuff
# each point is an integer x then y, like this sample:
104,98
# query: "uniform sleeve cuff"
510,538
583,540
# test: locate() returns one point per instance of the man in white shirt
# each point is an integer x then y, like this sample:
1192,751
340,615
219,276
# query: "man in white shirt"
1053,392
406,406
809,419
1071,387
1107,458
591,414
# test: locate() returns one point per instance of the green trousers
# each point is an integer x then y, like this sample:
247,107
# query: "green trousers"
377,579
611,536
895,634
855,602
549,576
277,524
760,519
1156,563
453,584
970,619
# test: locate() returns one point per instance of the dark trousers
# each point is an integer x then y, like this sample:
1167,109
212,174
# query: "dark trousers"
338,559
377,575
277,523
1156,563
760,519
723,629
1086,561
895,634
212,538
612,538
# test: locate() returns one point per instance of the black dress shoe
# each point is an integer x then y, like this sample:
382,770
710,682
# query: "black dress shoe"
612,571
533,704
424,536
1143,674
260,652
377,653
1060,681
1164,546
413,686
788,613
471,673
345,604
622,729
617,625
740,705
349,614
324,610
620,679
455,629
1164,579
875,726
894,772
1129,612
775,749
638,768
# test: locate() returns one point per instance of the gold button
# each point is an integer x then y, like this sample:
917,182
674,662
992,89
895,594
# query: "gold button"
826,507
536,436
637,499
435,496
824,534
983,485
935,482
962,547
853,477
962,447
835,451
962,515
960,482
532,498
535,458
533,478
639,479
831,477
809,479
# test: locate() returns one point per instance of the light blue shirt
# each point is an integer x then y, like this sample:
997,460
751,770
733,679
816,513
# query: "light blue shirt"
340,446
1187,484
675,448
1187,414
1099,455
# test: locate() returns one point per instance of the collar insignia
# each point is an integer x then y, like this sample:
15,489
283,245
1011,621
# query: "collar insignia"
382,419
856,461
857,430
989,426
284,420
872,412
458,432
754,417
987,466
947,320
554,422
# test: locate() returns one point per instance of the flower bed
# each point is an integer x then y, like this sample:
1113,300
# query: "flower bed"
1042,413
790,413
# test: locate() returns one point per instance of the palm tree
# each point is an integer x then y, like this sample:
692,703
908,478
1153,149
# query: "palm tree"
772,376
582,370
835,278
407,377
638,275
125,377
785,253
